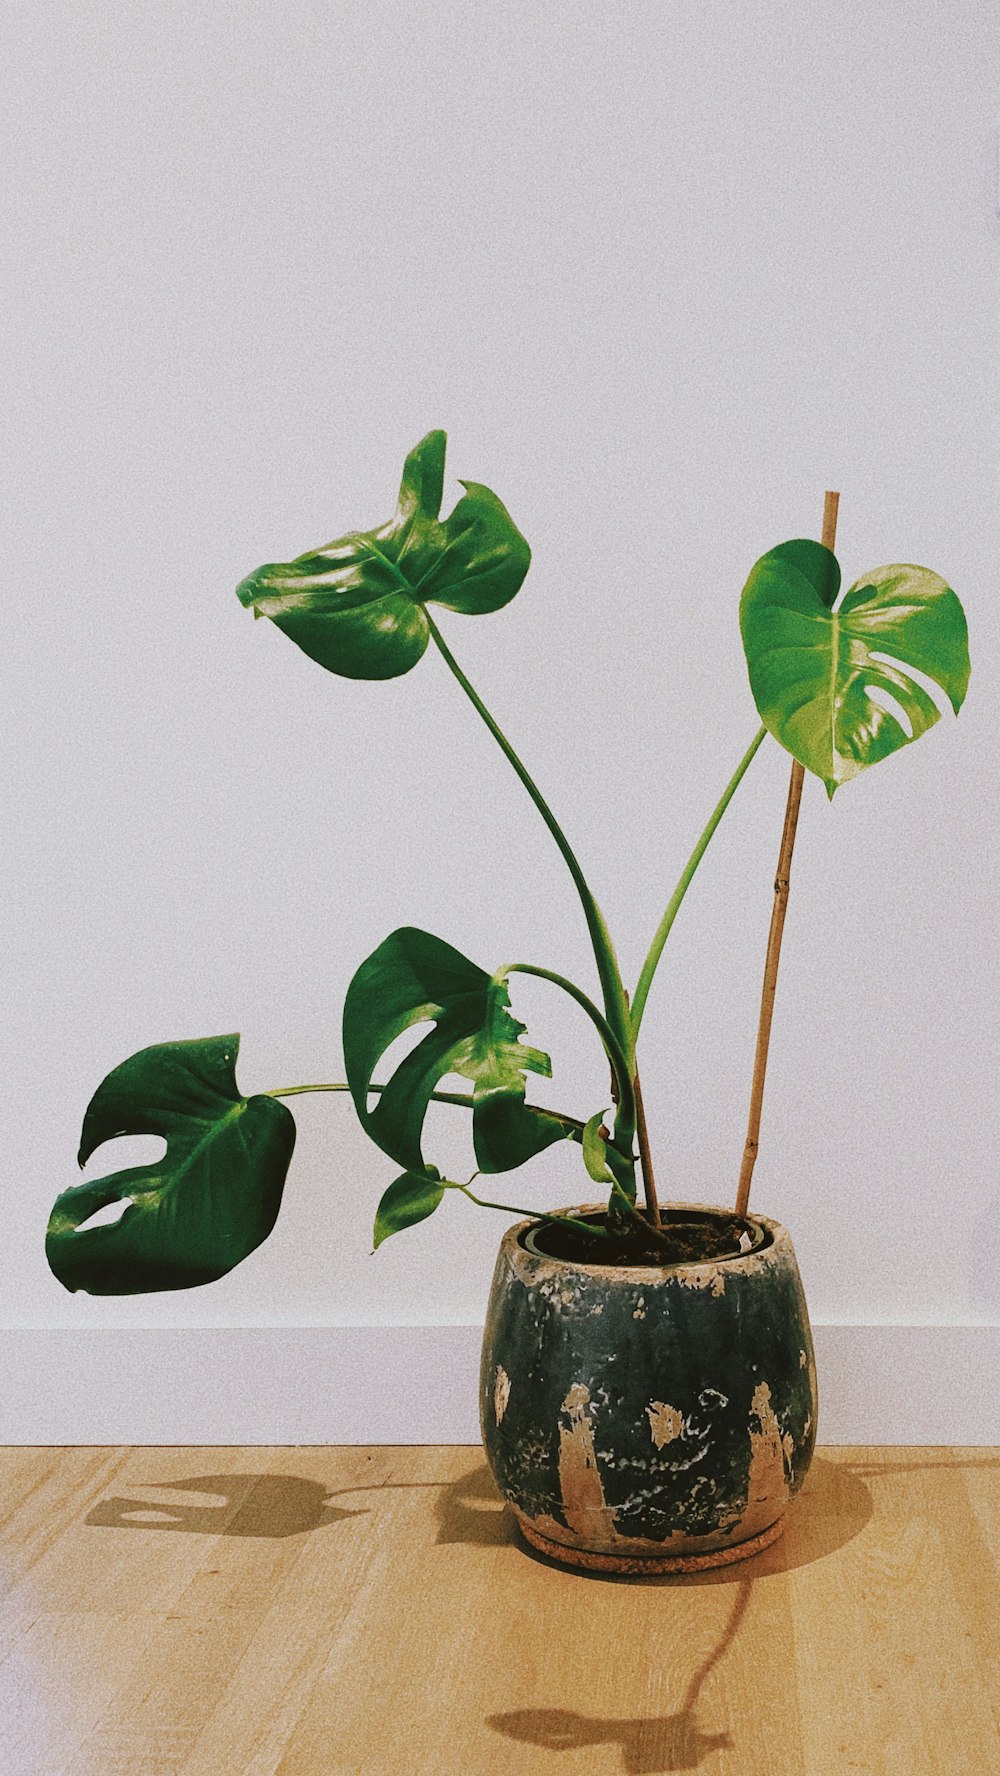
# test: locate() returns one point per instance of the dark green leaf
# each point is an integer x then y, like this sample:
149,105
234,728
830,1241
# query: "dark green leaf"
357,605
414,978
813,668
410,1199
198,1212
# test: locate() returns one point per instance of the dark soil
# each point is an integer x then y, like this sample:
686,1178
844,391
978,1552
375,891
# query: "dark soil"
686,1237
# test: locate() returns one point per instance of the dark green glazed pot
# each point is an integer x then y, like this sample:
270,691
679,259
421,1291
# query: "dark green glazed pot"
653,1418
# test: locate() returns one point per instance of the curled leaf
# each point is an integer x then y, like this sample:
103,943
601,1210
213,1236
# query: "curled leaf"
357,605
595,1150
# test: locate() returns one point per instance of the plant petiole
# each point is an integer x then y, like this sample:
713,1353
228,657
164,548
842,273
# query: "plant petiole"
674,903
534,1214
572,1124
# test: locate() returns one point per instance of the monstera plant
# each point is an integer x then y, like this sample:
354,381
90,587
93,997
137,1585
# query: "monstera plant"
833,683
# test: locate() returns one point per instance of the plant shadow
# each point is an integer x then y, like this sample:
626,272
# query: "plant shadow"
835,1505
667,1742
468,1509
267,1505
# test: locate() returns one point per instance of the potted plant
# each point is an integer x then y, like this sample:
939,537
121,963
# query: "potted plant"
648,1393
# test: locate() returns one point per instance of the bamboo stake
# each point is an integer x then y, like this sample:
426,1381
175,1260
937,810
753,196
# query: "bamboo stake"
778,910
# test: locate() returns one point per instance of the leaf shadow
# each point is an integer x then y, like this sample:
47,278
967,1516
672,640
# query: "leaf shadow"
667,1742
271,1506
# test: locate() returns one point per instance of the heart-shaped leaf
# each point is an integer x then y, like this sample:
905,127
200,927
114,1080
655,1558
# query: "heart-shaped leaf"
408,1200
357,605
814,669
414,978
200,1210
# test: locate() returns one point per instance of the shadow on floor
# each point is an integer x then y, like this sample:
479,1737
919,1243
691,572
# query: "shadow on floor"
670,1742
273,1506
268,1505
834,1506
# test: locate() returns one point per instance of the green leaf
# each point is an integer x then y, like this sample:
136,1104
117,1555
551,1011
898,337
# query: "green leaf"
595,1152
201,1209
604,1163
414,978
357,605
813,667
410,1199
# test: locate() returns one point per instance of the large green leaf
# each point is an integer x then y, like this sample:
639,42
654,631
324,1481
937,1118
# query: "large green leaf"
813,667
357,605
198,1212
414,978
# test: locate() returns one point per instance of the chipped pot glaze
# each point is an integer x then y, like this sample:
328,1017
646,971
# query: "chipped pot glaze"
652,1418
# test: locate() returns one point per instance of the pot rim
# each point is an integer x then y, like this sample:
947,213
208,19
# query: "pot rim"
776,1242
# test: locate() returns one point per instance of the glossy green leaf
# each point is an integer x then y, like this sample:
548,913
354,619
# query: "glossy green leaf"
595,1151
408,1200
814,668
357,605
414,978
200,1210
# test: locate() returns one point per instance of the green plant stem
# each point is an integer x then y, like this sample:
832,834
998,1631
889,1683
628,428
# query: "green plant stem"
572,1124
612,1047
535,1214
612,987
673,906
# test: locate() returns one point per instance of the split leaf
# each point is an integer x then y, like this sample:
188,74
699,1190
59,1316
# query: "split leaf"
829,683
357,605
414,978
200,1210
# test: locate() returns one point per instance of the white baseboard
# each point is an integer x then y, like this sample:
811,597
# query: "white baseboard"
418,1384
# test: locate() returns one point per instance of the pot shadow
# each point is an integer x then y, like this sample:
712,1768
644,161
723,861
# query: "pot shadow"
470,1510
669,1742
833,1507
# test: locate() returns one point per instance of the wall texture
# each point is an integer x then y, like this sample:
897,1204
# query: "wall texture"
664,273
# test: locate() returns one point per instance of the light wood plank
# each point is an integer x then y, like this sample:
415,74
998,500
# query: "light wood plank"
333,1612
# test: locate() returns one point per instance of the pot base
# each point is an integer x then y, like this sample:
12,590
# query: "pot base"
646,1563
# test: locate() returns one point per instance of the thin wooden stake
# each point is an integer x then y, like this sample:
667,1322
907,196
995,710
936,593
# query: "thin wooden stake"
778,910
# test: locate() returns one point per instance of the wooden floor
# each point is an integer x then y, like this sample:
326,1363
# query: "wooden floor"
333,1612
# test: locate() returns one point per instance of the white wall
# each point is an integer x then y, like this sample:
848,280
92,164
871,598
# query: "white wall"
664,272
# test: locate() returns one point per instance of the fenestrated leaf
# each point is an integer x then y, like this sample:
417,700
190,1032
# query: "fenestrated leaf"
201,1209
409,1199
813,667
414,978
357,605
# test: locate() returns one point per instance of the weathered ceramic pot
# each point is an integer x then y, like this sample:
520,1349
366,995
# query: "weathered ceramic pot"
649,1419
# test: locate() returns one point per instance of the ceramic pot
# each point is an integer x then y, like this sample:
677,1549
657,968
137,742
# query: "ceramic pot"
655,1418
